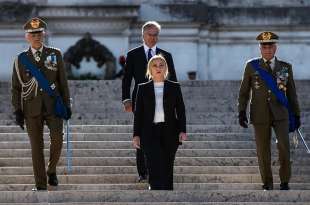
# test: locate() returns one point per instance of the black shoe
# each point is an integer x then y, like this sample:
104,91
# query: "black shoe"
142,178
284,186
267,187
39,189
52,180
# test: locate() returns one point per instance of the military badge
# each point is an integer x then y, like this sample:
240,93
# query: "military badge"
35,23
282,78
256,82
266,36
37,56
51,62
256,85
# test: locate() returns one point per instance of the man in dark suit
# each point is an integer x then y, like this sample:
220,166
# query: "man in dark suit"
135,68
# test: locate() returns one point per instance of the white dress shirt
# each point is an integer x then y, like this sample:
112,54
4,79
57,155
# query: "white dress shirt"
146,50
34,52
272,62
159,105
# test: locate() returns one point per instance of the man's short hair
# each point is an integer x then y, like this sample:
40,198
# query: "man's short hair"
150,24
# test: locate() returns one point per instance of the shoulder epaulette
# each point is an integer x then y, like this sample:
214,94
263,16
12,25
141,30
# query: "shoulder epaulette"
284,62
52,48
24,51
252,59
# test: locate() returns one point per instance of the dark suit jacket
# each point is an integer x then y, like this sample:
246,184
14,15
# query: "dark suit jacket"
263,101
174,110
135,68
32,105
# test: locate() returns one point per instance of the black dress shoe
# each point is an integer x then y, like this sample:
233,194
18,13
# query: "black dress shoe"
267,187
52,180
39,189
284,186
142,178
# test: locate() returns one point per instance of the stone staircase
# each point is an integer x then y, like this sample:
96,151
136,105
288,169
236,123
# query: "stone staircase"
217,165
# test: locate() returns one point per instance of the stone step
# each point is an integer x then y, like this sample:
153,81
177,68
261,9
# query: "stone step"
92,170
117,112
116,84
128,136
131,161
129,121
199,93
188,92
17,153
91,85
128,144
167,203
195,83
198,105
163,203
156,196
116,128
144,186
132,178
13,137
216,118
94,113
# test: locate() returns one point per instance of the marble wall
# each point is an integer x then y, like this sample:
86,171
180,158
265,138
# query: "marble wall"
209,37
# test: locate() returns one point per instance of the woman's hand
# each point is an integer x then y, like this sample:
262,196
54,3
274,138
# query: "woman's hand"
136,142
182,137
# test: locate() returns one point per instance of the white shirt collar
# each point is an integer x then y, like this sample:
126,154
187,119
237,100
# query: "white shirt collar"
272,64
34,50
146,49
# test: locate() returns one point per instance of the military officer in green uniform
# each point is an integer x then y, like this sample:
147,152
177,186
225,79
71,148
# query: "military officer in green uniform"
266,111
35,107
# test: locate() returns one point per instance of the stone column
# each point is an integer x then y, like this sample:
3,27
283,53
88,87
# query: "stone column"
203,55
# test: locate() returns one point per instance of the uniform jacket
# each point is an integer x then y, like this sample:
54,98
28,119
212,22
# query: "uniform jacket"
135,68
52,66
263,103
174,111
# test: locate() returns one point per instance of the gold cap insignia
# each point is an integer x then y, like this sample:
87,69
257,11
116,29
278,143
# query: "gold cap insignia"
266,36
35,23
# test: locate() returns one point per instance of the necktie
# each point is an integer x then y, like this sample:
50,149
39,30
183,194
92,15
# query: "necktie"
37,56
268,63
149,54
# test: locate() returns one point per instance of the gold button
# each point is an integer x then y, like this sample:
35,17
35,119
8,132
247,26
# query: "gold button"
269,91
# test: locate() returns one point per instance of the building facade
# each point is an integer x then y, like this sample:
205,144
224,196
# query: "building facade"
212,38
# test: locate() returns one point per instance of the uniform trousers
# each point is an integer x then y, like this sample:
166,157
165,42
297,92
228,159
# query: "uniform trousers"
263,148
35,129
160,159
